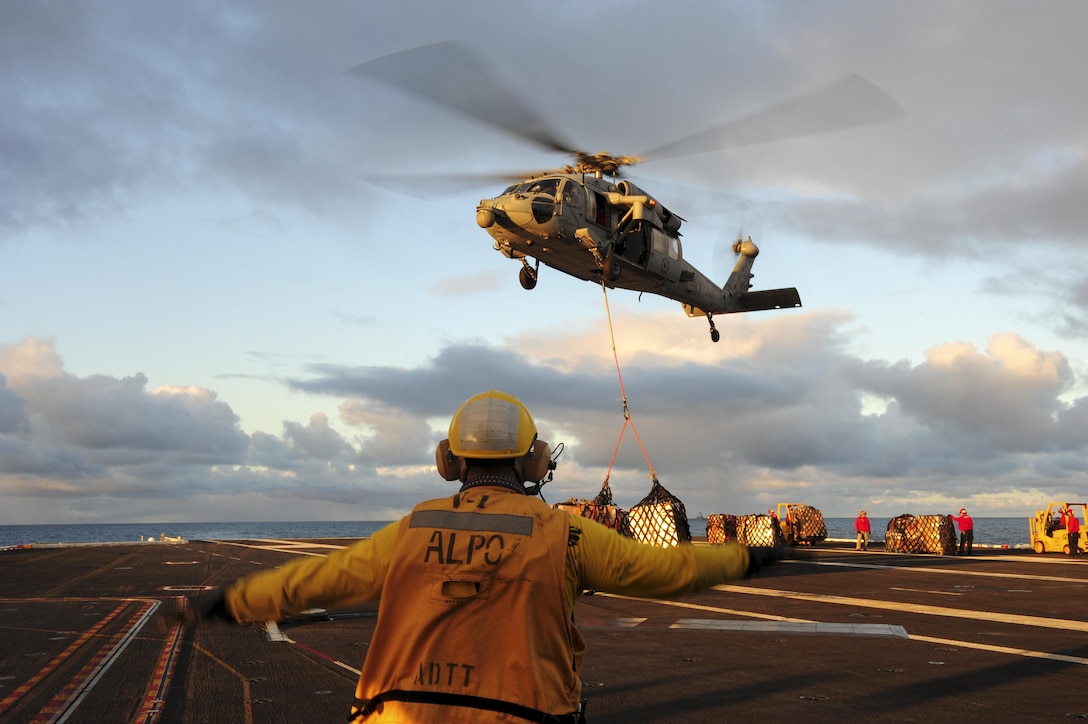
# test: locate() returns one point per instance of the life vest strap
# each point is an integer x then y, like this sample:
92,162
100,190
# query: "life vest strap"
363,708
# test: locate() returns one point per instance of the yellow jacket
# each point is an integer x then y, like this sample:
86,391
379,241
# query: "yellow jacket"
477,593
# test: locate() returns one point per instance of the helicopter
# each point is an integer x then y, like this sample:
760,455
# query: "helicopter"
584,219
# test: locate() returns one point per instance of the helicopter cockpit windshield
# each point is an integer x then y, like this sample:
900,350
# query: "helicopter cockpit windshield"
547,186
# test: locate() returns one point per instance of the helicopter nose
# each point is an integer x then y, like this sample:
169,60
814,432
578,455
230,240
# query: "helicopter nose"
485,218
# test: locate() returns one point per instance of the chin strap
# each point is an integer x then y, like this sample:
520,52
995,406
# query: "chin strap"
534,489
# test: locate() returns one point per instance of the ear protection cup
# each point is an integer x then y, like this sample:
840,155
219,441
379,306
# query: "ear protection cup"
449,465
537,462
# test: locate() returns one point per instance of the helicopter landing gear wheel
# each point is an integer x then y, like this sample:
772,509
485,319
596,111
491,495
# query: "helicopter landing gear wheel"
612,268
715,335
528,275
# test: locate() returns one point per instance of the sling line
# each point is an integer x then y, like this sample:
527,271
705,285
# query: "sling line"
627,420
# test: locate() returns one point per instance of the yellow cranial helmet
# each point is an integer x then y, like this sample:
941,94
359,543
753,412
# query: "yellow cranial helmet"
492,425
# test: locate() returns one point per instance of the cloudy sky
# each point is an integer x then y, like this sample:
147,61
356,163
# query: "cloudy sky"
210,311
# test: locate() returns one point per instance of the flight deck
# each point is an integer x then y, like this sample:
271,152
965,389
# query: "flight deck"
833,635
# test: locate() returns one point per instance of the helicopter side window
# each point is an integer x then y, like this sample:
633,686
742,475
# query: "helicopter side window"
674,248
573,196
661,244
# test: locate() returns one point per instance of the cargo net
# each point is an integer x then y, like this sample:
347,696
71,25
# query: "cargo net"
920,534
805,525
759,531
720,528
601,509
659,519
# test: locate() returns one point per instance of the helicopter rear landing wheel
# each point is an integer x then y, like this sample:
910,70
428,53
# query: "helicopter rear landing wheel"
715,335
527,277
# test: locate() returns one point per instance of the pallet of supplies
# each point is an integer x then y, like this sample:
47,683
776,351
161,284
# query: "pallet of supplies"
605,511
758,531
921,534
574,506
802,524
659,519
720,527
601,509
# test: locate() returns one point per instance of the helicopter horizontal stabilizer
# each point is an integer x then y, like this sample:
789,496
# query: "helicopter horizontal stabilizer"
768,299
759,301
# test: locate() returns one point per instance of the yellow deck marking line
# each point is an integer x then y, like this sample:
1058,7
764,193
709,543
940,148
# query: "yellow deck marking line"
926,610
298,544
788,627
247,701
1002,649
922,590
952,571
278,549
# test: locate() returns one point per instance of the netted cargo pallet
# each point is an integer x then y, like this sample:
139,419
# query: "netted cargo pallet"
601,509
720,528
921,534
805,524
757,531
659,519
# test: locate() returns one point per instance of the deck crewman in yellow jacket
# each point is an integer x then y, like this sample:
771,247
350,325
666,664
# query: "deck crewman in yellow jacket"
477,590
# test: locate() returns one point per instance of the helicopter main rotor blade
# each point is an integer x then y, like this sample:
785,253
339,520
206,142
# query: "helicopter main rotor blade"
851,101
426,186
448,75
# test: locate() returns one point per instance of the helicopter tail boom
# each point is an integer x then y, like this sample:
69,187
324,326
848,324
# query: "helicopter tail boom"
736,295
739,298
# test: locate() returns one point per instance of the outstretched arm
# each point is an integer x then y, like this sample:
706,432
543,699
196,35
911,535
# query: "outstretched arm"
603,560
349,576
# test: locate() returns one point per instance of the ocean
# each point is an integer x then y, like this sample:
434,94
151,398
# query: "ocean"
1012,532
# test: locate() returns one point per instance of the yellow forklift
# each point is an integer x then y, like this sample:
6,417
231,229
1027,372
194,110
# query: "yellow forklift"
1048,534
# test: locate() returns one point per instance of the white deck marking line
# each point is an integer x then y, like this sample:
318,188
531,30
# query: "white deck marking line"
274,633
1009,618
956,571
771,622
714,609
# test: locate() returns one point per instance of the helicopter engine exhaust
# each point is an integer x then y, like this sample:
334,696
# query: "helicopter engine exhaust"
670,222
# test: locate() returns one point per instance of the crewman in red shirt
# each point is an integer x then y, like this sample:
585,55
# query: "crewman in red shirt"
967,530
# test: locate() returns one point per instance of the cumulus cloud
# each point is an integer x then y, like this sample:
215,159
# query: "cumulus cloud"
780,410
773,411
